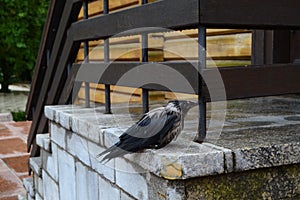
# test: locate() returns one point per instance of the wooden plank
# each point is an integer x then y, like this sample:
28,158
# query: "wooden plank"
240,82
126,49
257,81
96,7
111,74
99,97
226,47
230,47
174,13
295,47
255,14
119,94
209,32
117,52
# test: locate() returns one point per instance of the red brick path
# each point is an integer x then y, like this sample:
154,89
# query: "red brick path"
13,158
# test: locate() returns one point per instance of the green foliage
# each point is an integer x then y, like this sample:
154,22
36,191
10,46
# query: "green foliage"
18,116
21,25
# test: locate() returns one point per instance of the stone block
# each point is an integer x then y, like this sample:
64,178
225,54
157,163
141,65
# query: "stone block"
105,169
107,191
131,179
49,112
78,147
111,136
29,197
86,183
50,162
268,156
35,164
28,184
90,129
66,178
65,120
77,115
125,196
50,187
228,157
58,135
180,160
267,183
38,185
53,112
38,197
22,197
43,141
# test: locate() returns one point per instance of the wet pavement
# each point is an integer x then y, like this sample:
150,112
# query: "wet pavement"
15,100
13,158
13,138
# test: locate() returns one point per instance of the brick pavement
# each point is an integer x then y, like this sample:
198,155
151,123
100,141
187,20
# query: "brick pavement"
13,158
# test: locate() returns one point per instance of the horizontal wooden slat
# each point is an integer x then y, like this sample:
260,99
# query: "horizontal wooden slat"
254,14
99,97
257,81
169,75
229,47
239,82
175,14
209,32
96,7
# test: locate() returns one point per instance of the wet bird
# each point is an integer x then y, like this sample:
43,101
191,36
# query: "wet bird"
154,130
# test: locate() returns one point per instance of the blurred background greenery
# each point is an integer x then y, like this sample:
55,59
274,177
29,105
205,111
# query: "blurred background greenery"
21,26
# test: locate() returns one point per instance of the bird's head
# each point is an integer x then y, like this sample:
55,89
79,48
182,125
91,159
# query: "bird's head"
183,105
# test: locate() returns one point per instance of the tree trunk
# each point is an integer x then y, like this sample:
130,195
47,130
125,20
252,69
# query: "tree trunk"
4,87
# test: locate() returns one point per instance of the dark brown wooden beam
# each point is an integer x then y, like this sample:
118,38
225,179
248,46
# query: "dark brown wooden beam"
173,14
70,14
254,14
257,81
237,82
49,33
170,74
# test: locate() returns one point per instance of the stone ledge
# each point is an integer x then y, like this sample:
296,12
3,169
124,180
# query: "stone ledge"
43,141
183,159
36,165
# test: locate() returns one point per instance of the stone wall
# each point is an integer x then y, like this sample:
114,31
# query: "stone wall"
69,169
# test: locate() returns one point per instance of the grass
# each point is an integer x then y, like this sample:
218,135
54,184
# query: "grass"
18,116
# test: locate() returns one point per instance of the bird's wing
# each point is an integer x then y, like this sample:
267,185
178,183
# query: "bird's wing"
151,128
148,132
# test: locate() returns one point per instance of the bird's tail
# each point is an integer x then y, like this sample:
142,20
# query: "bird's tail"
112,152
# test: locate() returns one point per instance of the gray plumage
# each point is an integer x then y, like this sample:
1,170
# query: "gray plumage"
154,130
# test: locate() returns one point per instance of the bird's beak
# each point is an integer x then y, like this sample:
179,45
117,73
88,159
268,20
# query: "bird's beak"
192,104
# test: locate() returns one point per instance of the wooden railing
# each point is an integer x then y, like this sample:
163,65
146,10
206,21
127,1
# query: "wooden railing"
55,72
